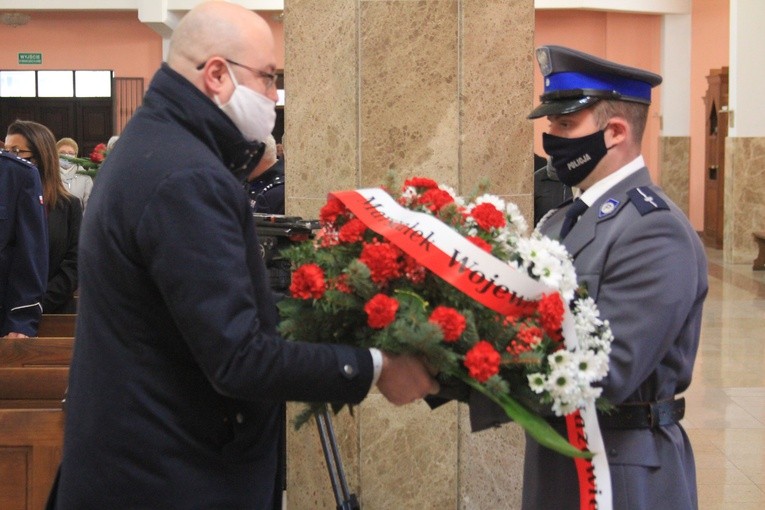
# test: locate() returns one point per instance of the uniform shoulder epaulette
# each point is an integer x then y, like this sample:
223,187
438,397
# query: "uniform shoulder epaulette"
13,157
646,200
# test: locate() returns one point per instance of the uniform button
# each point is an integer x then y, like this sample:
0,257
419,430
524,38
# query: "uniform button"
348,369
239,418
613,452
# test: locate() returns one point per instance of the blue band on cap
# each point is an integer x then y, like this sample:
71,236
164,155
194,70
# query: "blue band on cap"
572,81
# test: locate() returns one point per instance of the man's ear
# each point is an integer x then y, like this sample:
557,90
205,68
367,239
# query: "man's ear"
617,131
215,77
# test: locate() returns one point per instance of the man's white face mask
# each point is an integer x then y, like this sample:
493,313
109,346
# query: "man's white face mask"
253,113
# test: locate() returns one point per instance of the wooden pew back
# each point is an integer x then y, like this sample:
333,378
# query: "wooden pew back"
33,379
56,324
34,371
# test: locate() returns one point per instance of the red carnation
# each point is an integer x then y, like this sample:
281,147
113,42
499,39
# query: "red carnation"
341,284
480,243
487,216
381,311
308,282
352,232
382,261
421,182
331,210
413,270
482,361
99,153
451,322
551,315
435,199
525,340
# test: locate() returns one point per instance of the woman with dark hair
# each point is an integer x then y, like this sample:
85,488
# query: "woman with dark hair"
36,143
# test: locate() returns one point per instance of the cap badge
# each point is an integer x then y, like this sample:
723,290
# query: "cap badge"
543,58
608,207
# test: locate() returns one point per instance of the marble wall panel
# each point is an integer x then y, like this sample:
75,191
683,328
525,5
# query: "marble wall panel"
321,112
409,85
744,198
674,162
496,88
437,88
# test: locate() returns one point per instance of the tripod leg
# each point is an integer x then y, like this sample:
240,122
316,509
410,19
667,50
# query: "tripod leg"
343,496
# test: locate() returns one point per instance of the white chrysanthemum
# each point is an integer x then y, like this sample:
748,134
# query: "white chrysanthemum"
561,383
562,408
588,366
515,219
537,382
560,360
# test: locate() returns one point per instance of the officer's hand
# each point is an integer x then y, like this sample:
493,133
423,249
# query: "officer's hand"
13,334
404,379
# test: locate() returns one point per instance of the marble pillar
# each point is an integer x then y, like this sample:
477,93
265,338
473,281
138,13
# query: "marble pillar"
744,198
432,88
674,165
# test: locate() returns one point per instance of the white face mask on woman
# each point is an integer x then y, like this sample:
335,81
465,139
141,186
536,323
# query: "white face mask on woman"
65,163
253,113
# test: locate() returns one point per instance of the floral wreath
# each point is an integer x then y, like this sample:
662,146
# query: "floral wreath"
351,285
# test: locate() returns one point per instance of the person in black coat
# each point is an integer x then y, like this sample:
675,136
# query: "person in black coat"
178,372
23,245
64,212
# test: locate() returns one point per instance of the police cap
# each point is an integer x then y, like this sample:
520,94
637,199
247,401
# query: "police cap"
575,80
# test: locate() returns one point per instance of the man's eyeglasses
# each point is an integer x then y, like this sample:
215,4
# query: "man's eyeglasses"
269,79
18,151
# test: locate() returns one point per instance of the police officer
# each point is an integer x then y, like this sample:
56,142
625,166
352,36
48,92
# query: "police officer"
265,183
642,262
23,246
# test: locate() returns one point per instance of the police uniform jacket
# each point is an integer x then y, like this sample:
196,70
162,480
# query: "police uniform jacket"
644,265
178,371
23,246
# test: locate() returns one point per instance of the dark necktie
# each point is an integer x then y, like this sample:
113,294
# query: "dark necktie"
572,215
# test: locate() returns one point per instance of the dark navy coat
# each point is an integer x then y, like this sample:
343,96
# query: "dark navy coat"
23,246
178,371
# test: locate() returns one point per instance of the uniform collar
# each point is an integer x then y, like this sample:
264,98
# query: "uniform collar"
598,189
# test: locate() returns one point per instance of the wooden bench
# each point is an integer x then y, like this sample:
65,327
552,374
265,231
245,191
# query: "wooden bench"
53,324
759,262
34,371
33,379
30,451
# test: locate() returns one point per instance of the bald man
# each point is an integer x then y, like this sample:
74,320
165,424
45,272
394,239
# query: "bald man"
178,371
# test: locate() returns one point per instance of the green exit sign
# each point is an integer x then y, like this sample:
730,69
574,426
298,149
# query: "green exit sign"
30,58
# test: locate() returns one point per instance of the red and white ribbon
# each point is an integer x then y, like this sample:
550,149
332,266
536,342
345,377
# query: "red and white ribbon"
494,284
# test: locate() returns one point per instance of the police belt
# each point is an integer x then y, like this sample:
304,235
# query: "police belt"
641,415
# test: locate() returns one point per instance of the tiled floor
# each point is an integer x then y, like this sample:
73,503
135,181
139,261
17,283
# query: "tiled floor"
725,416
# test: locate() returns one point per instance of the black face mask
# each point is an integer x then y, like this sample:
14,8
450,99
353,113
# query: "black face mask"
574,158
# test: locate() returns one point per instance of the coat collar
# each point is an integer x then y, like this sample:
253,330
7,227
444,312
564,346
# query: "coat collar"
177,97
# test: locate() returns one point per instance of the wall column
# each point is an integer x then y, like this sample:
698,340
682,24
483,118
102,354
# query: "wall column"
432,88
675,140
745,146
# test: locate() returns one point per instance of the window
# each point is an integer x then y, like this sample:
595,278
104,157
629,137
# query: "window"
56,83
17,84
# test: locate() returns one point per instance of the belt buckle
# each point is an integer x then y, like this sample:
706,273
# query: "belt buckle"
653,419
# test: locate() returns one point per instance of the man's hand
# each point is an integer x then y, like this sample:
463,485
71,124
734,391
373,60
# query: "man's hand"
405,379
